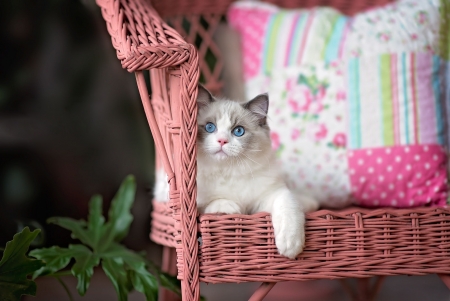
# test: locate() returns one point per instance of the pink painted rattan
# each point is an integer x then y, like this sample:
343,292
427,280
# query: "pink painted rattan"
353,242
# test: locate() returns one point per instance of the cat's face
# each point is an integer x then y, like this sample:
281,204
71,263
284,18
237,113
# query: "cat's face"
228,130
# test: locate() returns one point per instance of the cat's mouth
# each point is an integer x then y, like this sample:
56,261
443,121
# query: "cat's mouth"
221,154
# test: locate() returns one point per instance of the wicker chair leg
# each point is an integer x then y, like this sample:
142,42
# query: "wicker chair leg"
376,287
262,291
364,291
446,279
169,265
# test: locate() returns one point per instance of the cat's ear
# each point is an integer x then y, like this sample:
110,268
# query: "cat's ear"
204,97
259,106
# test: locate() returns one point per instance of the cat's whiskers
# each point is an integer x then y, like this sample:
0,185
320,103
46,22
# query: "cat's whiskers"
232,163
251,159
242,166
238,165
249,168
233,150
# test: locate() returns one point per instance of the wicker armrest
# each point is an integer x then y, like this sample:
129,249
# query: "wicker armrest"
143,42
141,38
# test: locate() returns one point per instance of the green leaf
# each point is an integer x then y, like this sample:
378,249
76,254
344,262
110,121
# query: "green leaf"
83,269
96,221
302,79
78,228
95,226
166,280
15,267
55,259
129,257
143,281
170,282
119,216
115,271
314,82
96,233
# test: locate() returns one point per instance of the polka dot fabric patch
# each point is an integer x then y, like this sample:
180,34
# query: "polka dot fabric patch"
399,176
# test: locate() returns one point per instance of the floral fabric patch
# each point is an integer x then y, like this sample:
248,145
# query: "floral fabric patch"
308,123
406,25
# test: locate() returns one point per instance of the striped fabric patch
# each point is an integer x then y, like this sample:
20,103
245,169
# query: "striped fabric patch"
396,99
294,37
274,38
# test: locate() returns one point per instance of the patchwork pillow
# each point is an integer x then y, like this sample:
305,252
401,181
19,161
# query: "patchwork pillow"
343,89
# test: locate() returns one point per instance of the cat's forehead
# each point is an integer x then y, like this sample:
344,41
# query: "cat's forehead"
224,111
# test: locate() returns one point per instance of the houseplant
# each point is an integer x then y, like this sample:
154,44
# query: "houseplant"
99,246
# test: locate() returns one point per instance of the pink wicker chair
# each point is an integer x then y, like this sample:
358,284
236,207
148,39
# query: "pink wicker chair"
351,243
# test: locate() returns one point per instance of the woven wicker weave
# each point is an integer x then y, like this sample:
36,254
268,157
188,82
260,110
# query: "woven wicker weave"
354,242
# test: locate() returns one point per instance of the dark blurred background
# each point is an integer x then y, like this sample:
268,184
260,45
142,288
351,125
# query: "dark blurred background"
71,122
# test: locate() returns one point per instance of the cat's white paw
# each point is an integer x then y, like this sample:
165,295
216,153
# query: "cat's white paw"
290,240
223,206
289,225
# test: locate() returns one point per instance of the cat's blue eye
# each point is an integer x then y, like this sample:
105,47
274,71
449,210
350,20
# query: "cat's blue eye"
238,131
210,127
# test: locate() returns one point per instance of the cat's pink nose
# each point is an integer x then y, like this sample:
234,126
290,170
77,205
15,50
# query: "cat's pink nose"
222,141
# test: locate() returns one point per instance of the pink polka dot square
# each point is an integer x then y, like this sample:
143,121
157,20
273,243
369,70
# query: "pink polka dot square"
399,176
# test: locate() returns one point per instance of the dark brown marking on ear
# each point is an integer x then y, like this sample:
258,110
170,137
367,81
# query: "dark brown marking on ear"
259,106
204,97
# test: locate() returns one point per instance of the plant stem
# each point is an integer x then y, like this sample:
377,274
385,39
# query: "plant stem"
65,287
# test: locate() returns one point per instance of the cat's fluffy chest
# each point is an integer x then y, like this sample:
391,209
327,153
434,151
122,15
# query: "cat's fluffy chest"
244,184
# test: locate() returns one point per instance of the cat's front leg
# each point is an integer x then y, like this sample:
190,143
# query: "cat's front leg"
288,221
223,206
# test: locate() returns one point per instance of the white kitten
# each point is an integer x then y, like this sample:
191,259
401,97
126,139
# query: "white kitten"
237,172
